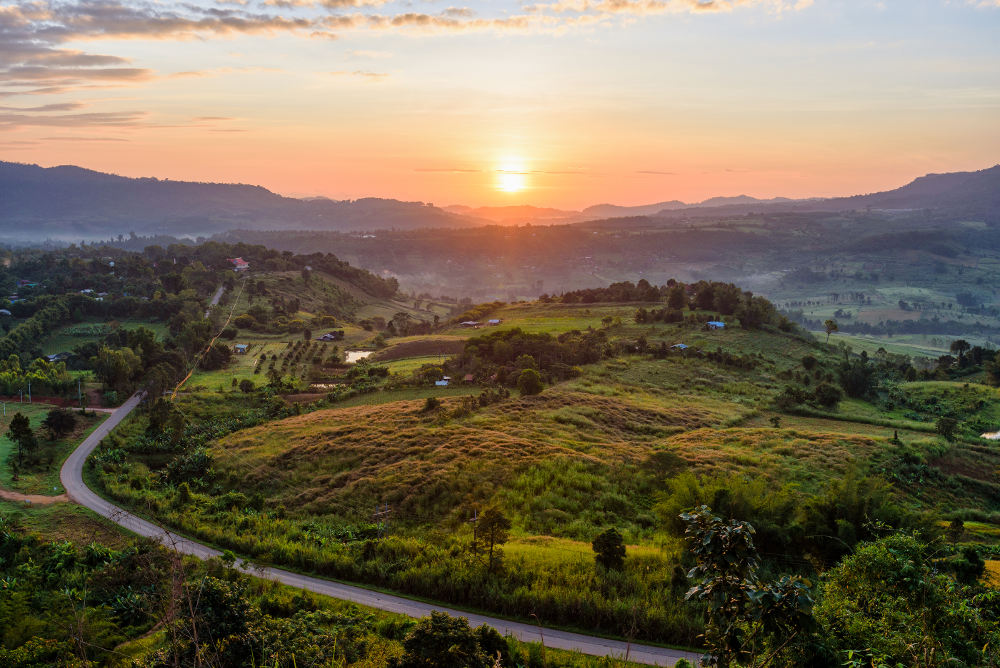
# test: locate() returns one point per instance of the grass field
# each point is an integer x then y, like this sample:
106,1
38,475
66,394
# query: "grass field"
63,340
43,478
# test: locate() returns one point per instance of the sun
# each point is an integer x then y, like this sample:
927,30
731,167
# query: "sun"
512,176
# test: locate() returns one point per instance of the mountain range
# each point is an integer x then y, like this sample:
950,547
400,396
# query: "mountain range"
73,203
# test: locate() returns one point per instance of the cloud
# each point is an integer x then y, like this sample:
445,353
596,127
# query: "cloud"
62,106
447,170
363,74
68,138
97,119
654,171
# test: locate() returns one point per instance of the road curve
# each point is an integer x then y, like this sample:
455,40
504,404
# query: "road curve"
71,476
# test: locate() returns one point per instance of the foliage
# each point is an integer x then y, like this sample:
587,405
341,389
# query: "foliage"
888,603
59,422
441,641
746,617
529,382
609,549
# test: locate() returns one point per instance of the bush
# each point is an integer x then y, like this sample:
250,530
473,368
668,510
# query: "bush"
529,382
609,550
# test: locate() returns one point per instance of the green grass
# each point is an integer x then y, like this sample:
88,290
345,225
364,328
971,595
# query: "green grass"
61,339
42,478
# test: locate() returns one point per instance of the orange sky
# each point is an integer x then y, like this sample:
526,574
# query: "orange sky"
562,104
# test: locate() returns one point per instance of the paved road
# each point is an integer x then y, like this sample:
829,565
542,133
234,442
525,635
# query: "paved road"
215,300
72,480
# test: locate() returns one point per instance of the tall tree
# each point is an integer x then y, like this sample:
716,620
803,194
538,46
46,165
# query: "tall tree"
831,327
20,432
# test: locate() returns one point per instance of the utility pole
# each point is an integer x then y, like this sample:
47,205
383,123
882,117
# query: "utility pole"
474,521
79,393
29,391
380,518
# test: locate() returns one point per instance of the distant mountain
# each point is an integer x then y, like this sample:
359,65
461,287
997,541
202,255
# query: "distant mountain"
977,193
615,211
517,215
73,203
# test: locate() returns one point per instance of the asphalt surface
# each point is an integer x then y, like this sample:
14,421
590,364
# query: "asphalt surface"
215,299
72,480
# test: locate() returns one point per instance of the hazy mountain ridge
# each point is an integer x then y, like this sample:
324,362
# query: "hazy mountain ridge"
68,202
72,201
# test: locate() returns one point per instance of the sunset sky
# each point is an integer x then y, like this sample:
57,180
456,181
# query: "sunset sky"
562,103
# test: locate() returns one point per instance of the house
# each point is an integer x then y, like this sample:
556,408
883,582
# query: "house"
58,357
470,323
239,264
715,324
336,335
87,291
494,322
468,378
240,348
441,383
679,346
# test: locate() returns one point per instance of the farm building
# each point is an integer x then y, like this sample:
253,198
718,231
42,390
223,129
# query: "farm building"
240,348
335,335
715,324
471,323
679,346
239,264
494,322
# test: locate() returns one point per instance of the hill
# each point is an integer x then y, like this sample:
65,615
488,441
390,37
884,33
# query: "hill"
69,202
625,433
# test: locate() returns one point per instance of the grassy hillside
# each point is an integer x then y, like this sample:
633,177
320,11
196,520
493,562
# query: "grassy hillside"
626,441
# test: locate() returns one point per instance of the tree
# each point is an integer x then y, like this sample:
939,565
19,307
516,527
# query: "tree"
609,549
117,368
960,347
529,382
831,327
493,529
20,432
946,426
827,395
890,602
676,297
216,357
442,641
59,422
307,334
246,386
746,617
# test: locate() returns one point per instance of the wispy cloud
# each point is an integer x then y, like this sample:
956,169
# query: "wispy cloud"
361,74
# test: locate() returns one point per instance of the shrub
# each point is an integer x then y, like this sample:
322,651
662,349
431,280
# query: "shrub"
529,382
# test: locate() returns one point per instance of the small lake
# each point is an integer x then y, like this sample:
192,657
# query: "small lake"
357,355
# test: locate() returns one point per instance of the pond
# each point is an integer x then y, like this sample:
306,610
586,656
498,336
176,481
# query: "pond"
357,355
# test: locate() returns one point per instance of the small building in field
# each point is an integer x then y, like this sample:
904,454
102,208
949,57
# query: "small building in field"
441,383
494,322
239,264
335,335
470,323
240,348
715,324
679,346
469,378
59,357
4,311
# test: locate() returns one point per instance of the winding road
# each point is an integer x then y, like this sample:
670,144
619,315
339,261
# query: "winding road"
71,476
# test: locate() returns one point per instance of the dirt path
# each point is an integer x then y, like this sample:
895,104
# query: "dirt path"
33,499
